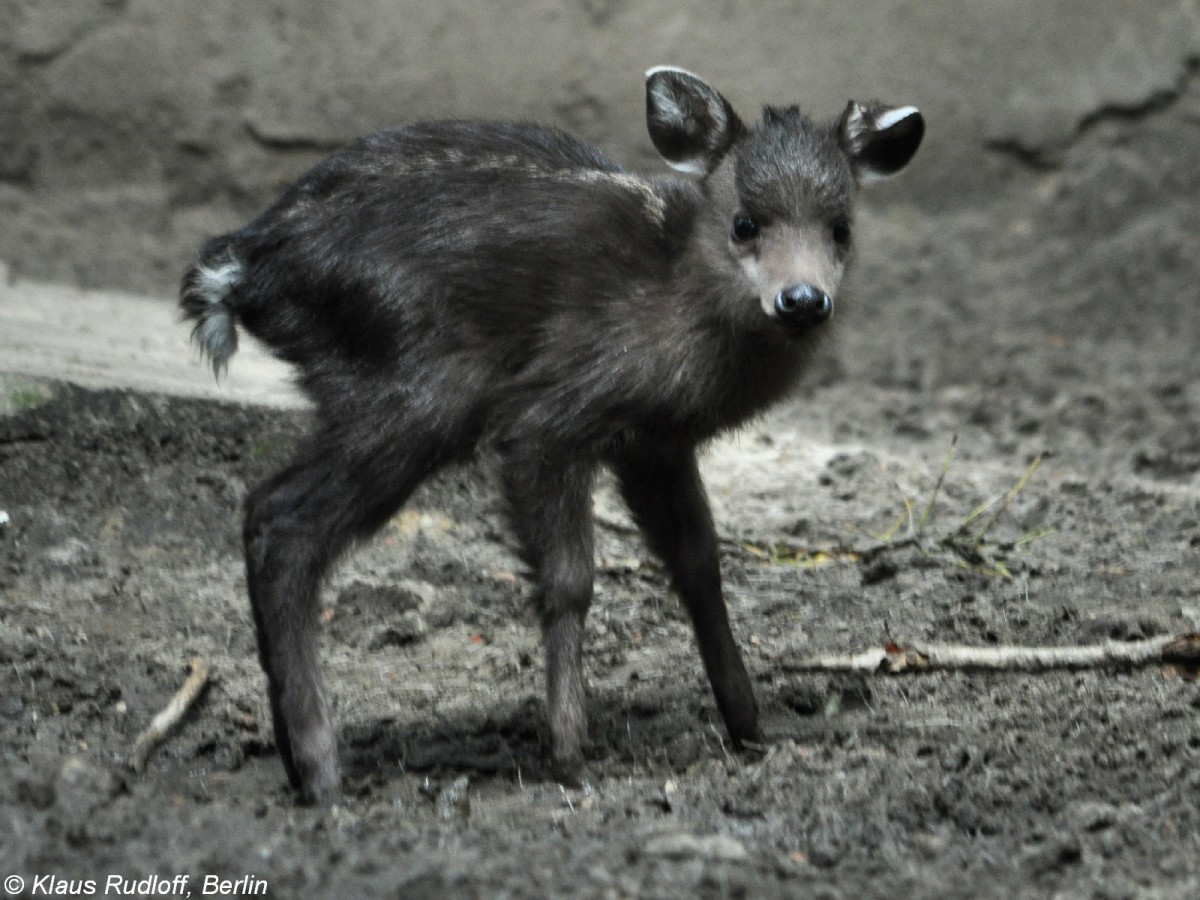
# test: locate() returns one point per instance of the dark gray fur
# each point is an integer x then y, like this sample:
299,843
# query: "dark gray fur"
441,284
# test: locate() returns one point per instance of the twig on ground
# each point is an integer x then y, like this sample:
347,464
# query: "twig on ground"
160,726
895,659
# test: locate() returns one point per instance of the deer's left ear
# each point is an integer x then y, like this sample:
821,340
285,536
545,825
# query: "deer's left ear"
880,140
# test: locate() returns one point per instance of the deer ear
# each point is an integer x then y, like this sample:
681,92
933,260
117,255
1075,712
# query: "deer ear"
880,140
690,123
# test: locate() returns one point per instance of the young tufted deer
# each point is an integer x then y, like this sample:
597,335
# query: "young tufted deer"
437,285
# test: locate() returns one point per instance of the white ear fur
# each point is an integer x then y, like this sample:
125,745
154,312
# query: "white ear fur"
894,116
687,166
665,100
654,70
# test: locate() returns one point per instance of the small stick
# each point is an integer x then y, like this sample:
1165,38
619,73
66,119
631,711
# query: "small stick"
161,725
895,659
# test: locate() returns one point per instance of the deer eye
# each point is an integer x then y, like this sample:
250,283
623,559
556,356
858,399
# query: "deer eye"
841,232
744,228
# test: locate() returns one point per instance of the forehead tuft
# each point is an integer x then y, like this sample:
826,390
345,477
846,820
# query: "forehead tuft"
788,164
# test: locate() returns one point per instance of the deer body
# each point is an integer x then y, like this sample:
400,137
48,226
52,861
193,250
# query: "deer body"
442,284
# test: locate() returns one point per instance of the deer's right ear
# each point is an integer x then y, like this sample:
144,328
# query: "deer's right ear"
689,121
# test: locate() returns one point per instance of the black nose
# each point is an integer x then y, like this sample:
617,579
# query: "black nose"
802,304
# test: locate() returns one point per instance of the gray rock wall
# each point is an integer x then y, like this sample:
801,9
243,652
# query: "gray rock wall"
133,128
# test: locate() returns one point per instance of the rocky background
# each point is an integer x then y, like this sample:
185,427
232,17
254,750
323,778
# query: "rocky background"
132,128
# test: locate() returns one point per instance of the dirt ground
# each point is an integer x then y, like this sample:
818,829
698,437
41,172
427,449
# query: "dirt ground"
1058,322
